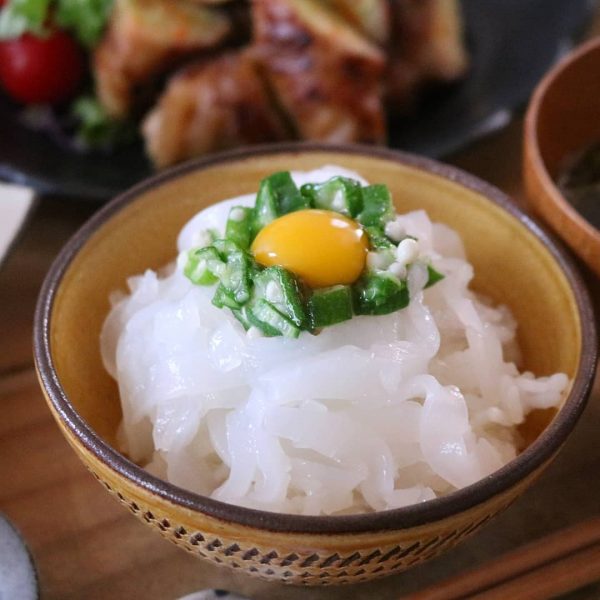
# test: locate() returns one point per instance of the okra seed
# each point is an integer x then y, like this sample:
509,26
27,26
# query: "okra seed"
273,293
338,201
394,230
377,261
407,251
202,238
237,214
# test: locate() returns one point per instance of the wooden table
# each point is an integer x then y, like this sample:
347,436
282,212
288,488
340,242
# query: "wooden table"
86,546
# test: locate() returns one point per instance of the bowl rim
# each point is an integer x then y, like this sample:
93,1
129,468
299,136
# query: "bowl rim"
533,154
540,451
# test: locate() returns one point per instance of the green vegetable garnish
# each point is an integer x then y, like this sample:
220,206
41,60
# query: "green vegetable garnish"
281,289
378,207
433,276
236,276
339,194
377,238
272,301
85,18
277,196
263,315
239,226
22,16
380,294
241,314
224,298
96,129
204,266
329,306
225,247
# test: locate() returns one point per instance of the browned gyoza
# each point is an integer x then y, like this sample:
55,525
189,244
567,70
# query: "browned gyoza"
267,70
147,37
209,106
326,76
371,17
425,45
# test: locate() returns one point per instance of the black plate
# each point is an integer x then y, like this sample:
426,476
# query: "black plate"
512,44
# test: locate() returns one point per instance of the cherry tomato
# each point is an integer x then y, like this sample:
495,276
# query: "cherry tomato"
40,70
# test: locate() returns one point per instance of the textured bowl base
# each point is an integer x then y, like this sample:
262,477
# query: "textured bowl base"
304,567
516,265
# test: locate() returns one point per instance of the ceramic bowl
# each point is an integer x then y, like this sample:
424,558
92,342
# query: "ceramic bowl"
516,264
563,118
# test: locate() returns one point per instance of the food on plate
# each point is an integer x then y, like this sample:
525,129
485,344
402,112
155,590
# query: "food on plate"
360,374
212,105
41,70
42,46
144,39
326,70
326,77
426,44
372,17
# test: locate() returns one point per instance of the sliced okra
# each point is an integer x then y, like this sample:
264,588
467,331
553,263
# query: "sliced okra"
239,226
377,208
328,306
380,294
339,194
263,315
281,289
204,266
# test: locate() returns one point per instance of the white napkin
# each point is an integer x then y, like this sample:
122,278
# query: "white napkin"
15,203
17,573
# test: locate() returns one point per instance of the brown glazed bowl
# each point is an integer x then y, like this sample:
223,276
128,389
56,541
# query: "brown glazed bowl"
563,118
516,264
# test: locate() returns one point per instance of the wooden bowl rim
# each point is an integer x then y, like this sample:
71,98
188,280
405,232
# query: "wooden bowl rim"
401,518
533,154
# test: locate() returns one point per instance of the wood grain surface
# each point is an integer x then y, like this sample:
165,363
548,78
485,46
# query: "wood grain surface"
86,546
560,562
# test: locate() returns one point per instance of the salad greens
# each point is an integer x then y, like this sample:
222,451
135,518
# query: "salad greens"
85,18
96,129
22,16
86,122
272,301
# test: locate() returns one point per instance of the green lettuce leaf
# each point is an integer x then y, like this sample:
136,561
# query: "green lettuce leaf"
96,129
23,16
85,18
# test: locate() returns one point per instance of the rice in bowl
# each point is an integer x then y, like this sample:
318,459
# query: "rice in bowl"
374,413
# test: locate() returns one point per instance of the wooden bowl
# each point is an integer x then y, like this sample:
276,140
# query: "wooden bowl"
516,264
562,119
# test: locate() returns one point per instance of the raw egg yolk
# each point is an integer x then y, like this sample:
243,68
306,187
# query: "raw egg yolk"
321,247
